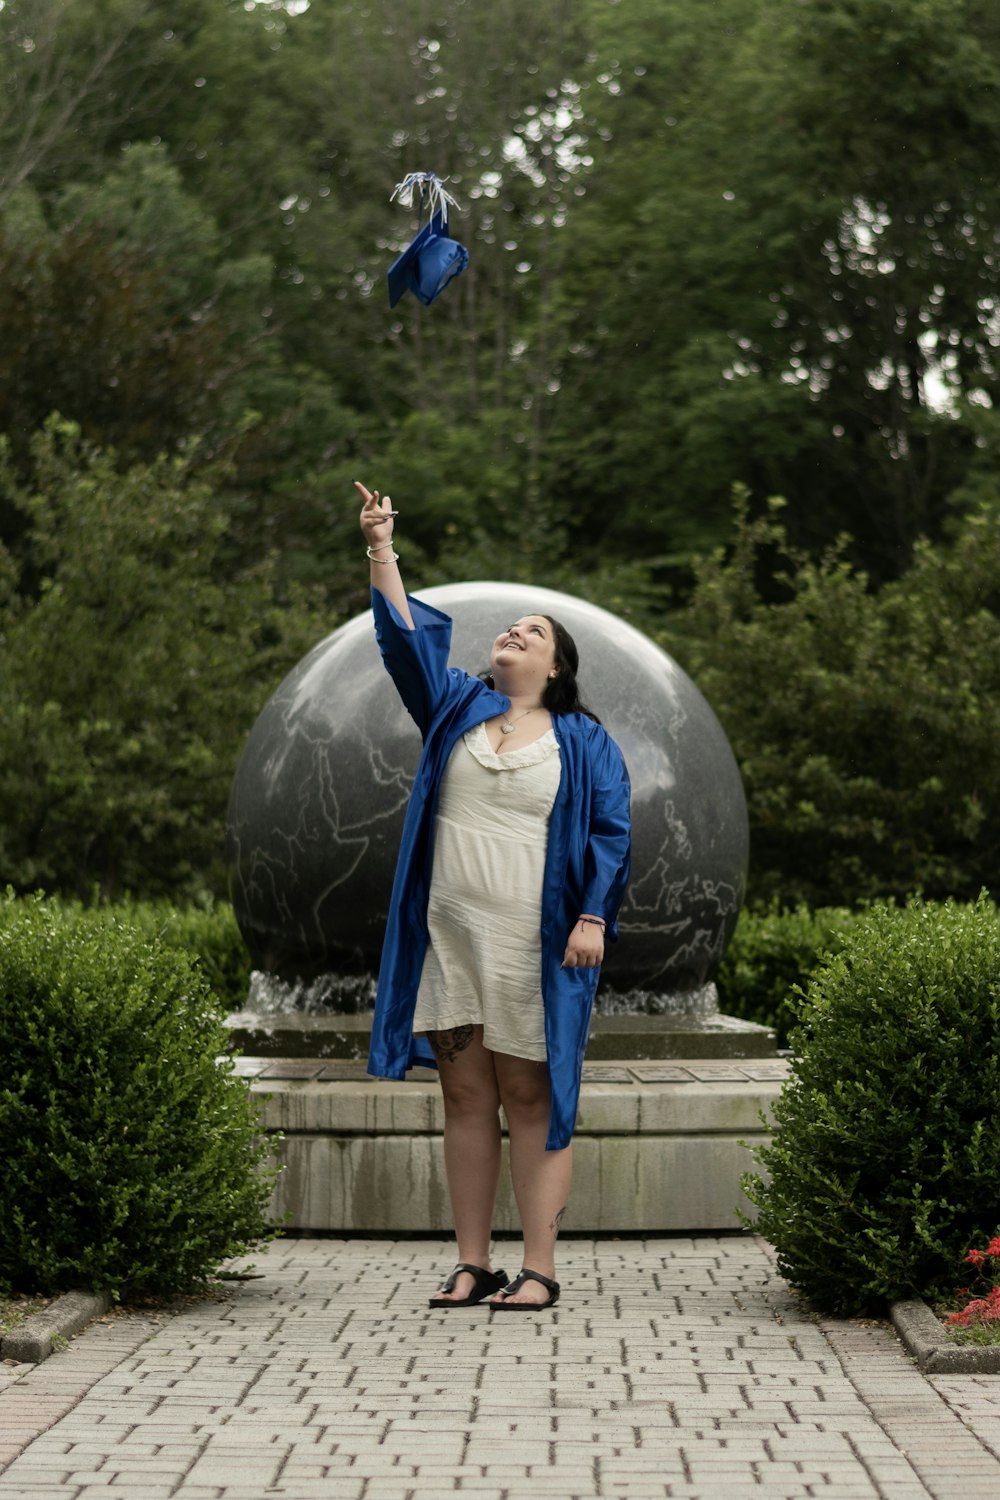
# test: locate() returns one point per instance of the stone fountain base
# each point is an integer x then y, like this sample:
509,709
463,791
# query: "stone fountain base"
295,1033
660,1146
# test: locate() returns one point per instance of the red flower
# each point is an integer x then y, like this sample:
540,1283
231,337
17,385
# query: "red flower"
984,1308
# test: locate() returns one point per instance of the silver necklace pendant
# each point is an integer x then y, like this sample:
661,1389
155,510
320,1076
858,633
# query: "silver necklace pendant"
507,726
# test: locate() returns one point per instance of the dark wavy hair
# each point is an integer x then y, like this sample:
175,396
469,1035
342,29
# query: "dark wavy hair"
561,696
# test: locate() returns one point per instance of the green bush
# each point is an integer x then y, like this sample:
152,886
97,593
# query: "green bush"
772,951
885,1163
206,932
131,1158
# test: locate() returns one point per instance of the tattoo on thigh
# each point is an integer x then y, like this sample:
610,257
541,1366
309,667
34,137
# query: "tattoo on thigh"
448,1044
554,1226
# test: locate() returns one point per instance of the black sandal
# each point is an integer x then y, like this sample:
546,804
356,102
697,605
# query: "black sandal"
486,1283
517,1284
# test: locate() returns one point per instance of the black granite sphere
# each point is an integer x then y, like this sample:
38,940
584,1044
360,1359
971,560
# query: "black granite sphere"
318,799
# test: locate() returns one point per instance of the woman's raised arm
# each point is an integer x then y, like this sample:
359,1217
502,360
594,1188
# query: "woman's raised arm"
377,524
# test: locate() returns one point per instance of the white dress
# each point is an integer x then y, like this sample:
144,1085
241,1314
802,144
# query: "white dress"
483,964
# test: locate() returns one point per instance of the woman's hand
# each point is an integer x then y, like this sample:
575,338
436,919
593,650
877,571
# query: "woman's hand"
377,524
376,518
585,948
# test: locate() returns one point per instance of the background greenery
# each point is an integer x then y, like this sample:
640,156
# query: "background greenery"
745,244
771,954
206,934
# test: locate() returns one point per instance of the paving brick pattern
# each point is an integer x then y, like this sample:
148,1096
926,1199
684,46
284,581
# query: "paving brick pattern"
673,1367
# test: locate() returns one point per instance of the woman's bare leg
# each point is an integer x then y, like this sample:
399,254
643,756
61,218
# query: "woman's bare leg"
471,1142
540,1178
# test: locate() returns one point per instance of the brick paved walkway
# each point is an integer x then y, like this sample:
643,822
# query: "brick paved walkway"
672,1368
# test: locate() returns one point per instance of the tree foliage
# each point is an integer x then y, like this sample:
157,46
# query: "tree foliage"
127,659
752,243
802,231
865,723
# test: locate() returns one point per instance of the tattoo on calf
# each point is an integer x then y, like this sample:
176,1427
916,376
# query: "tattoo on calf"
448,1044
554,1226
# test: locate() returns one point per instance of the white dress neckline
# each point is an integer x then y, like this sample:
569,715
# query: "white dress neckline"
478,744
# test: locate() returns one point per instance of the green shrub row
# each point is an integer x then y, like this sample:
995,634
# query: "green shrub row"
770,950
885,1163
131,1157
206,932
770,953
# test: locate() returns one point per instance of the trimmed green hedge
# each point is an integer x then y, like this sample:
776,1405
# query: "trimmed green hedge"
769,954
131,1158
885,1163
206,932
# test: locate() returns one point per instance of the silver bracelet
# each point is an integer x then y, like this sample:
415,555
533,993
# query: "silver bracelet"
383,560
380,548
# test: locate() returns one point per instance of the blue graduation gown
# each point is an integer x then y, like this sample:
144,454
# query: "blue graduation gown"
586,861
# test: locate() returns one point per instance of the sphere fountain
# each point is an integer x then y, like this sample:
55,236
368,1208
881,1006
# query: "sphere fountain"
319,797
314,822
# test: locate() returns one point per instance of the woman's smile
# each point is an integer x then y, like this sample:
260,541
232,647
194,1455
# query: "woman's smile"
530,636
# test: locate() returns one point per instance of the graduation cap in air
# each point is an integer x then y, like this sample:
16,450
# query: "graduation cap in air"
431,259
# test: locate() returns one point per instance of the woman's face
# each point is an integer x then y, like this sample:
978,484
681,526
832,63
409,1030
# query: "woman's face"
530,641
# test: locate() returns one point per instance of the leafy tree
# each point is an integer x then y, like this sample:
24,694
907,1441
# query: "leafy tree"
749,242
786,252
453,398
78,77
123,308
87,329
866,724
130,665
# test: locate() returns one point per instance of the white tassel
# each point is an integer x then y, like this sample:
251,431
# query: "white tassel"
425,185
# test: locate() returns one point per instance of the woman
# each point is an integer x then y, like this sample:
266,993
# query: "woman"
512,866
